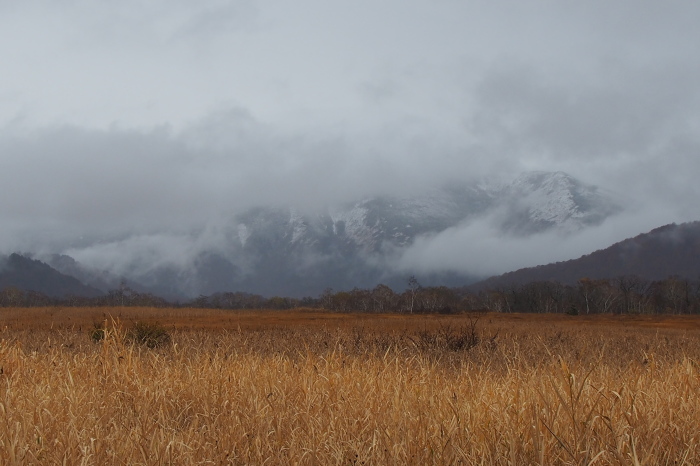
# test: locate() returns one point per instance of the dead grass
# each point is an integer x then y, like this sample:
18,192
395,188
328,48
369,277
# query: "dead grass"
315,388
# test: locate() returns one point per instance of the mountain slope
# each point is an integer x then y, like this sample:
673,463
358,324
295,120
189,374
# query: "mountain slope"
538,201
662,252
284,251
29,274
533,202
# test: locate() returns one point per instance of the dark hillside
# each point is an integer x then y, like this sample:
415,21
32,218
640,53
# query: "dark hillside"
29,274
671,250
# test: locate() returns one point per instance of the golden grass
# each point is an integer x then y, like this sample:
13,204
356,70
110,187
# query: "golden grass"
315,388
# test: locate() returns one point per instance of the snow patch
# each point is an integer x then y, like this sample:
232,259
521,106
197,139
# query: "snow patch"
298,224
243,233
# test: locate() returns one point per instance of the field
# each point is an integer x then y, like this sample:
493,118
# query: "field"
307,387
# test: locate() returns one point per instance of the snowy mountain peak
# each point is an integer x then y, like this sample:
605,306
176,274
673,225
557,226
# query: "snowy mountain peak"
530,203
293,252
538,201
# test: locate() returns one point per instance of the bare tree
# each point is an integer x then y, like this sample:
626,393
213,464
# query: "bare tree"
413,287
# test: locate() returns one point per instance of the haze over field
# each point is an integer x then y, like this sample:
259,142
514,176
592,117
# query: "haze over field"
131,133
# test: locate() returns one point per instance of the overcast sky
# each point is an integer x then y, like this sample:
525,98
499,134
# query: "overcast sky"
151,116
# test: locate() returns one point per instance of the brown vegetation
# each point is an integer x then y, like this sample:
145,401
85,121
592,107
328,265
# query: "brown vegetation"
322,388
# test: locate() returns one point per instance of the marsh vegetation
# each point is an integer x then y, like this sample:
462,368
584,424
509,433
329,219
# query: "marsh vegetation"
316,388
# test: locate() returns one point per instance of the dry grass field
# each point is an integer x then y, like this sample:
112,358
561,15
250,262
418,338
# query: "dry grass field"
307,387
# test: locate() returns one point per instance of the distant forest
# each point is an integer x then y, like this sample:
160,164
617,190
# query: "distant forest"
621,295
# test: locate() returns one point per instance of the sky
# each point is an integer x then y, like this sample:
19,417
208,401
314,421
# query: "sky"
157,117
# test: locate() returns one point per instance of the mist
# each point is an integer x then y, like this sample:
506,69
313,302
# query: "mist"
481,249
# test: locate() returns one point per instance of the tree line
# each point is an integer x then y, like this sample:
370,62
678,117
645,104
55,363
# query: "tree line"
621,295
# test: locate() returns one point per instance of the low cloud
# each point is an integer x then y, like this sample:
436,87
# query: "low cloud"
480,248
69,182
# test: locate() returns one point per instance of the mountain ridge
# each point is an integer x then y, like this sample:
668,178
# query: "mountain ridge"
668,250
671,250
285,251
28,274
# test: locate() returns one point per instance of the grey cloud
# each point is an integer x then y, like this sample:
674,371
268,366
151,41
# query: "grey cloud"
479,248
378,91
157,21
220,18
91,176
110,183
632,111
140,254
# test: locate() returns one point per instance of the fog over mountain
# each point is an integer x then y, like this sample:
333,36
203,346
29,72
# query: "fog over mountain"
22,273
143,139
286,251
664,252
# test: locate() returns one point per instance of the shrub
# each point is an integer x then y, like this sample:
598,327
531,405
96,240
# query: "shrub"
97,333
151,335
449,339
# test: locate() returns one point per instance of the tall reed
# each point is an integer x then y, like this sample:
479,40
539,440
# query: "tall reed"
560,395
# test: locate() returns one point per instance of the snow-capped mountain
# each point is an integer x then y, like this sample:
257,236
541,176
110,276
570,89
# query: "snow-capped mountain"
532,202
348,245
284,251
537,201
